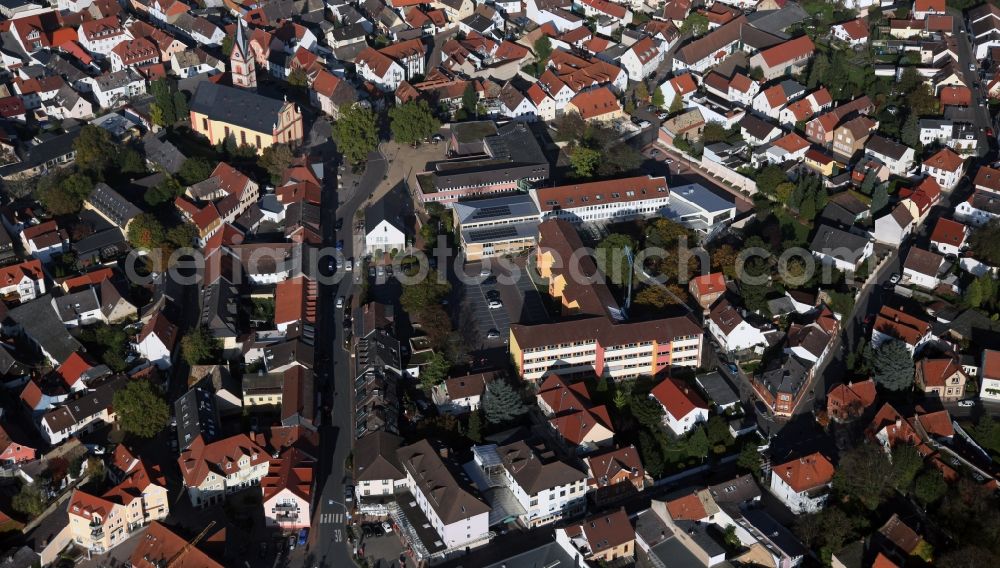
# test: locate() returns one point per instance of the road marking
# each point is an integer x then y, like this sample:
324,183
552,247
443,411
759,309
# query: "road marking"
331,518
336,536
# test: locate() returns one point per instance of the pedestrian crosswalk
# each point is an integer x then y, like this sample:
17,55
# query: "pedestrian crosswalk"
330,518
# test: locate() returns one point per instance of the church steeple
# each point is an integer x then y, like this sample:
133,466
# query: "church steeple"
241,60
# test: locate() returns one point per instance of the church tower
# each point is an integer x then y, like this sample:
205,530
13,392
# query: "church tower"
241,60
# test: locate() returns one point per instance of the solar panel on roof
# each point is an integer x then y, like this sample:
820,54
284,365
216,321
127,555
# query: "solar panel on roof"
493,233
494,211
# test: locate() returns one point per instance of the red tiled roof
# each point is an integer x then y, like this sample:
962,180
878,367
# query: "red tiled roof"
955,95
714,283
856,29
158,545
71,369
950,232
806,473
991,364
608,8
988,178
200,458
945,160
595,103
677,397
687,508
16,272
790,50
163,328
901,325
792,142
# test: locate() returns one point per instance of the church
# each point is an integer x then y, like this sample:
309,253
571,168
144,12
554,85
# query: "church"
222,112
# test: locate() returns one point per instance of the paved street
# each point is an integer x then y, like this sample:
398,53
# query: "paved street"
328,544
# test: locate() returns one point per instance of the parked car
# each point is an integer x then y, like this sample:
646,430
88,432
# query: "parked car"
492,334
303,535
340,244
894,279
966,403
495,304
484,272
340,223
340,301
387,527
291,542
349,265
348,493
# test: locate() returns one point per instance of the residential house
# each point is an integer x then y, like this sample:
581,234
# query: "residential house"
331,94
22,282
989,375
79,308
459,517
547,488
942,377
117,88
88,410
100,36
287,490
845,251
598,104
580,424
682,85
812,341
822,128
158,545
707,288
641,59
683,408
897,157
377,470
605,537
615,474
945,167
849,401
894,227
157,341
461,395
854,32
784,59
733,332
13,452
44,240
949,237
923,267
892,323
134,53
757,132
782,386
851,136
213,470
803,484
385,230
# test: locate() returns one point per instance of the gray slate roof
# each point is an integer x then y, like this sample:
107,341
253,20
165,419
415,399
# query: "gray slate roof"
236,106
112,205
40,322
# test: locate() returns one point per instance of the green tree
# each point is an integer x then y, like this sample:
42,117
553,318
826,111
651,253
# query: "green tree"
164,100
275,159
929,487
543,50
880,199
356,133
985,242
200,347
646,411
893,366
412,122
620,399
611,259
164,192
750,460
227,45
659,297
584,162
642,91
181,110
194,170
910,133
658,99
714,132
649,451
695,24
65,197
906,462
697,444
863,474
501,403
676,105
770,178
145,232
95,150
435,371
868,184
470,99
140,409
428,292
818,71
297,78
475,429
130,162
182,235
29,500
718,430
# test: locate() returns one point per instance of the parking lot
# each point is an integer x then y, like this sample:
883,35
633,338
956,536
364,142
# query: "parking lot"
520,301
384,549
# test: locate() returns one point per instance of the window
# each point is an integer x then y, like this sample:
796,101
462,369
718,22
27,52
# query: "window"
204,124
243,137
258,141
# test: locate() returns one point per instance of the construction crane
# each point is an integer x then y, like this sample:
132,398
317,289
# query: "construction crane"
187,546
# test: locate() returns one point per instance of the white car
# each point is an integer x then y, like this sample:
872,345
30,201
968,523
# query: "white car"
484,272
966,403
386,527
349,266
495,304
340,301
